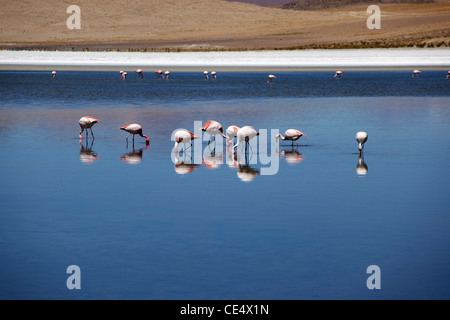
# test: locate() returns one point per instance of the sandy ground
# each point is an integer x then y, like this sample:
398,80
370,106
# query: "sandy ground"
174,25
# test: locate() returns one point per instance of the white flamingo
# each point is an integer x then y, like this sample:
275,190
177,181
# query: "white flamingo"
244,135
270,78
338,74
361,138
183,136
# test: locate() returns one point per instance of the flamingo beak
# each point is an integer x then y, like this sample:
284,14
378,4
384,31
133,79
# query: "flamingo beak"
257,133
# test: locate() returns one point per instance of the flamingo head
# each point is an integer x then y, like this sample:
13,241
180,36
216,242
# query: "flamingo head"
276,137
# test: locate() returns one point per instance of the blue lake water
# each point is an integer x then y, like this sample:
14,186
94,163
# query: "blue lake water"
141,227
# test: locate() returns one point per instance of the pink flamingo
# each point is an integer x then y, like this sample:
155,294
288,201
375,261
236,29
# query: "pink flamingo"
415,73
338,74
87,122
124,75
206,74
291,135
213,73
270,78
139,72
448,75
160,73
167,74
213,128
134,129
53,74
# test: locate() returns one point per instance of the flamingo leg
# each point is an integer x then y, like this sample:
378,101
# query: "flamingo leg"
92,133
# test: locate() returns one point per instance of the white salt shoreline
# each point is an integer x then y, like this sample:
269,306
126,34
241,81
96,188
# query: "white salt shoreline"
427,58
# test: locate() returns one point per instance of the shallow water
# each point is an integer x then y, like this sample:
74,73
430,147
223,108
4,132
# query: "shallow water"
141,227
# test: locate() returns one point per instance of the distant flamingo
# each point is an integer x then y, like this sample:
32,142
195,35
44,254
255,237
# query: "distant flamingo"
244,135
415,73
448,75
87,122
53,74
134,129
139,72
213,128
121,73
167,74
183,136
361,138
206,74
232,132
291,135
213,73
338,74
124,75
270,78
160,73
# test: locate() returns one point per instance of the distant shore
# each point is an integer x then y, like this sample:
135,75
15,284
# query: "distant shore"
217,25
277,60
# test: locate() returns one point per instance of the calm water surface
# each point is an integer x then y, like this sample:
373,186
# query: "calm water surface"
141,227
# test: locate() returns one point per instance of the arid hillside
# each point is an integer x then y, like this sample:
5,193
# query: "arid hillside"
175,25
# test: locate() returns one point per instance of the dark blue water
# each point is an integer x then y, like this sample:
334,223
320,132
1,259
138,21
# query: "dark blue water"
141,227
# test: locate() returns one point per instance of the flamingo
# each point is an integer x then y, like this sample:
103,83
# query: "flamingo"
415,73
361,138
270,78
53,74
139,72
160,73
183,136
124,75
232,132
134,129
206,74
213,127
87,122
167,74
121,73
338,74
244,135
291,135
448,75
213,73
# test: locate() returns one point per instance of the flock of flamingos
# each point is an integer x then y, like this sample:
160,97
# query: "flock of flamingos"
242,135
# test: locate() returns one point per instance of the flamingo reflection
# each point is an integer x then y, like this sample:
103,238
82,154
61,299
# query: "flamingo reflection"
246,173
135,156
213,160
361,167
292,156
183,165
88,156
